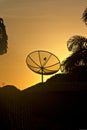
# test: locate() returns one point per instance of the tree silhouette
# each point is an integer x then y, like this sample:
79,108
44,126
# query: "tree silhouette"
84,16
79,58
78,45
3,38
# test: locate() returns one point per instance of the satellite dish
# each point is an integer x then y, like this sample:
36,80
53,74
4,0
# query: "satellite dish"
43,62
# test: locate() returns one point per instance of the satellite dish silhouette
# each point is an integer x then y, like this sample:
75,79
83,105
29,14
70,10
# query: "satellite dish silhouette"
43,62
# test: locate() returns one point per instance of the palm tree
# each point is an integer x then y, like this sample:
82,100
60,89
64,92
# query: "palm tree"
78,58
3,38
78,45
84,16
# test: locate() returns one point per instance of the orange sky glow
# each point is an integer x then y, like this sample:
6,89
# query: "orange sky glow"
37,25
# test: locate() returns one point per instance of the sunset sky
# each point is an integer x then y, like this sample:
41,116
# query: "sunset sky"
34,25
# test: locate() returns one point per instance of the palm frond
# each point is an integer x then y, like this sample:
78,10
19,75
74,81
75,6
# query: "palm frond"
78,58
76,43
84,16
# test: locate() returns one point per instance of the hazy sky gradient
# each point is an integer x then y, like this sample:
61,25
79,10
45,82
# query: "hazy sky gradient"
33,25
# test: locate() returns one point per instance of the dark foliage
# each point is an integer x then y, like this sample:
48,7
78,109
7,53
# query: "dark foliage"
84,16
3,38
76,43
79,58
77,74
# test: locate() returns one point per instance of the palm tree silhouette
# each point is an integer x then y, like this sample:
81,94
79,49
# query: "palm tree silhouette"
3,38
78,45
79,58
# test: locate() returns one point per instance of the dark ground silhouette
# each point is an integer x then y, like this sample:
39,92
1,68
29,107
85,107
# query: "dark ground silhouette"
58,103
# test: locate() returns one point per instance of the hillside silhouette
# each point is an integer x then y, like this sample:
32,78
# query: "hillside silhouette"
58,103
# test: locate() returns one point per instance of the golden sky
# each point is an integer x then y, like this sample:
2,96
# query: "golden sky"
34,25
